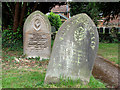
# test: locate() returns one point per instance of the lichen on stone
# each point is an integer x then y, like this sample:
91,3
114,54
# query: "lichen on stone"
79,35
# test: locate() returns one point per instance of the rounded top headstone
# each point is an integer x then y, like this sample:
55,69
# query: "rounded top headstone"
74,50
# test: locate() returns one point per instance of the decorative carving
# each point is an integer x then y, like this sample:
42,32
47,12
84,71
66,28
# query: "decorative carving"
37,24
79,35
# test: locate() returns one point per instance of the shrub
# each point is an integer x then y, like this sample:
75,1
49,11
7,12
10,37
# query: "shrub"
11,38
54,20
112,37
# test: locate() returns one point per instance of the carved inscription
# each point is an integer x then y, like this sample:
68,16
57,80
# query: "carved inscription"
37,41
68,53
92,35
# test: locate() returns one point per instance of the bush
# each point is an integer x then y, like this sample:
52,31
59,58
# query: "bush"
112,37
108,38
11,38
54,20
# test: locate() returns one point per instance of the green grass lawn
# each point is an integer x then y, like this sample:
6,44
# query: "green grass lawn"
20,78
33,77
109,51
32,74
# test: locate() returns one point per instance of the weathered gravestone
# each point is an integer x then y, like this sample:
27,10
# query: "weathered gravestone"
37,37
74,50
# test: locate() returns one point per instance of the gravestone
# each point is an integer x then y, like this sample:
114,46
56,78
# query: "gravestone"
74,50
53,32
36,36
53,29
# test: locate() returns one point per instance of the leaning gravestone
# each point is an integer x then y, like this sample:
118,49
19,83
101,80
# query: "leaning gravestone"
74,50
37,37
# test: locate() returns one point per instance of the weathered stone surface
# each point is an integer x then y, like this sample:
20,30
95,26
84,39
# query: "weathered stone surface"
74,50
37,37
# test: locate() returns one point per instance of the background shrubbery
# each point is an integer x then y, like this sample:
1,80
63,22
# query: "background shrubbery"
107,38
55,20
11,38
112,37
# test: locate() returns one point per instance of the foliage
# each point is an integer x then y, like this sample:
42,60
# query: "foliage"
84,7
52,42
25,9
108,38
109,9
54,20
94,9
11,38
114,32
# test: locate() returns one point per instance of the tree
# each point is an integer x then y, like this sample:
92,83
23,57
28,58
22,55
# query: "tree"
14,13
22,13
93,9
15,25
84,7
109,9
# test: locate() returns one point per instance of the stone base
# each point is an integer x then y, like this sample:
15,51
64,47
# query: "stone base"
51,80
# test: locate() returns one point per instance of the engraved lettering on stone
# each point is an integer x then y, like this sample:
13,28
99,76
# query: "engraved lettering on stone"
38,41
66,54
92,34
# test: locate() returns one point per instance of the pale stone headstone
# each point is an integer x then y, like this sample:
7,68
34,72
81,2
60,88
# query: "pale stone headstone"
74,50
36,36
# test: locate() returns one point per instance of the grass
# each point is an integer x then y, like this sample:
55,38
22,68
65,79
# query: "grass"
109,51
29,76
20,78
33,77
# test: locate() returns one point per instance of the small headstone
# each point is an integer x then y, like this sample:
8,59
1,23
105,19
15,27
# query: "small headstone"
37,37
74,50
53,29
53,32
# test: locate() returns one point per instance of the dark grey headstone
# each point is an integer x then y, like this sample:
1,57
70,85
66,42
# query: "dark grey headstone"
74,50
37,36
53,29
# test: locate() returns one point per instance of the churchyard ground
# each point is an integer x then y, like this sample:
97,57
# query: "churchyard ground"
109,51
31,73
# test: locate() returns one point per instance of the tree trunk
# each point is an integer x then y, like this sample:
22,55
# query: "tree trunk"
15,25
22,13
35,6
